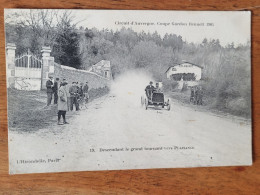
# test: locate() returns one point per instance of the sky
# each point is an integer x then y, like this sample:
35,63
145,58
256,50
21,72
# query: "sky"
227,26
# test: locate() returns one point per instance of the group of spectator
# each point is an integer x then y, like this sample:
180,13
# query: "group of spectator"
196,95
66,96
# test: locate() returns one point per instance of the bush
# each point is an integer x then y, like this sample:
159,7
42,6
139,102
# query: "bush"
95,93
238,106
169,85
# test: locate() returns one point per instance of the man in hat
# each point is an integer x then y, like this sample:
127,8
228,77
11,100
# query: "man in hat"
80,90
158,89
149,90
199,95
62,103
55,90
49,86
67,91
192,94
85,92
73,96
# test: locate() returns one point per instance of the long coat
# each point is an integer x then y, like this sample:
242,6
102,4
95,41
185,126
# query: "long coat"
63,99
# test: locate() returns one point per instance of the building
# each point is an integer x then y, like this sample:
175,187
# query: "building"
185,71
102,68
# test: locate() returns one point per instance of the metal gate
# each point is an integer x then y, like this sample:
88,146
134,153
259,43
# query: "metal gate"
28,71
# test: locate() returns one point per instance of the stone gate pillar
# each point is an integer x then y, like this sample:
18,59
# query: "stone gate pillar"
10,65
47,65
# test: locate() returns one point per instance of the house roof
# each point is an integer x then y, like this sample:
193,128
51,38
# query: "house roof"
183,62
104,63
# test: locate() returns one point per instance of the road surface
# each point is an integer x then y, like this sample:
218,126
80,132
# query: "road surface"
115,132
124,135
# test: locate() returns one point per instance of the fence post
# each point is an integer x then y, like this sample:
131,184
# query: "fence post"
47,65
10,64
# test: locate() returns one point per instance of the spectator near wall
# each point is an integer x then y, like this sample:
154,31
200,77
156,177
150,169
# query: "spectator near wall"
49,86
55,90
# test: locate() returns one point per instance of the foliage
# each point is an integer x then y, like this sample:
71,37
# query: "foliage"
34,29
169,85
226,69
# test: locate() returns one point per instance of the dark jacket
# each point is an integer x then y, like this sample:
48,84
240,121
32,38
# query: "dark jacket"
149,88
49,86
192,93
80,91
55,87
73,91
85,89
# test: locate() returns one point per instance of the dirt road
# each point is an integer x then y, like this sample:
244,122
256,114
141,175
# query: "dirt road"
115,132
114,123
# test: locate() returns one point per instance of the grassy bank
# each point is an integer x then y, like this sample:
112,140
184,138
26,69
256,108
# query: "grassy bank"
27,110
210,104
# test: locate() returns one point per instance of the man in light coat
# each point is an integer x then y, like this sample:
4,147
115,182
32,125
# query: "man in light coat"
62,103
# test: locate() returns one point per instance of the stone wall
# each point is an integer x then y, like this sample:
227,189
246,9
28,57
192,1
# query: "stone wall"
71,74
17,78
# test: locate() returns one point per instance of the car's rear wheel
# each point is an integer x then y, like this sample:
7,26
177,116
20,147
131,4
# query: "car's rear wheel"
146,104
168,104
169,107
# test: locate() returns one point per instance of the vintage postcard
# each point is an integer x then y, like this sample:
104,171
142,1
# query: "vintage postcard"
123,89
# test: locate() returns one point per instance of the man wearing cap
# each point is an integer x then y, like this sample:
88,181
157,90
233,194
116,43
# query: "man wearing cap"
49,86
68,93
80,90
85,92
55,90
73,96
149,90
158,89
62,103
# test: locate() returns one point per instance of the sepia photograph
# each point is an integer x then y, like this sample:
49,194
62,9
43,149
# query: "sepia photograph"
127,89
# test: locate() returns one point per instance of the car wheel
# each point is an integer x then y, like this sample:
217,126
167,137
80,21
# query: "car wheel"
146,104
142,101
169,107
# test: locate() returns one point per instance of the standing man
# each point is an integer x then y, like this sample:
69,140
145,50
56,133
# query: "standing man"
67,87
73,96
49,86
62,103
196,95
80,91
55,90
85,92
200,95
192,95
